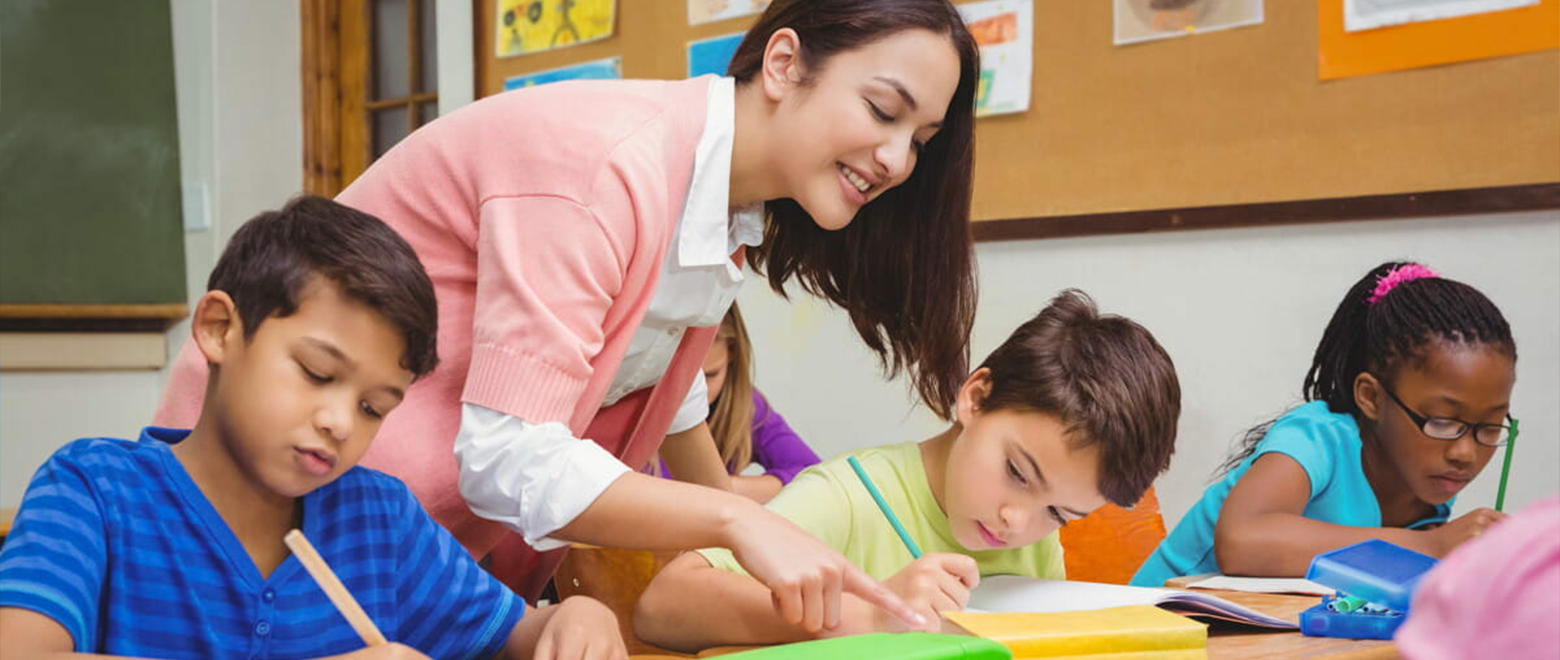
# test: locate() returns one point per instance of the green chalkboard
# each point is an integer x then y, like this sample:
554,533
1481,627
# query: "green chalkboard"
89,156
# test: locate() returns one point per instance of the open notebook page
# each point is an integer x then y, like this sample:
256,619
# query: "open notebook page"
1262,585
1010,593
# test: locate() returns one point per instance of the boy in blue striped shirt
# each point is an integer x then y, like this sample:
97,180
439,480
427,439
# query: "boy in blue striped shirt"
317,319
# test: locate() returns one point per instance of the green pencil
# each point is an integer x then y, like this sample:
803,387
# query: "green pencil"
883,506
1505,468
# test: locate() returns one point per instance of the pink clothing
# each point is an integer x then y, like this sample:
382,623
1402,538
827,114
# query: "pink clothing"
542,217
1496,596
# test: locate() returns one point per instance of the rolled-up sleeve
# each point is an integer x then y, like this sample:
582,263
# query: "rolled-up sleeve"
532,478
695,407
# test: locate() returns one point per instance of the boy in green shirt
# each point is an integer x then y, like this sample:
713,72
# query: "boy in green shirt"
1074,410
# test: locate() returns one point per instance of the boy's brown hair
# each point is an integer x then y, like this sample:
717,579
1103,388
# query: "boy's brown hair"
1105,377
276,254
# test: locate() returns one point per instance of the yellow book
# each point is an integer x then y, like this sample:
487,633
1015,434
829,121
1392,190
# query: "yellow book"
1134,632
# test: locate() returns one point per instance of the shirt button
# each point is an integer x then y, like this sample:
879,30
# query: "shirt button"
269,595
263,628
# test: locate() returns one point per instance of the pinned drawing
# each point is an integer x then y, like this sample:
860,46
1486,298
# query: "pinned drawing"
1147,20
534,26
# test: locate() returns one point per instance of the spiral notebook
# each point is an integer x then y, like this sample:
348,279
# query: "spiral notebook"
1011,593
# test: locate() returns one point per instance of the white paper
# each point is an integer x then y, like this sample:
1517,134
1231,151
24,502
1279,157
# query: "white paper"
1005,30
708,11
1262,585
1371,14
1011,593
1008,593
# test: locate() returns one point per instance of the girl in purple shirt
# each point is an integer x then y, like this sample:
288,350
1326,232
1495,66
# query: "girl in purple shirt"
745,428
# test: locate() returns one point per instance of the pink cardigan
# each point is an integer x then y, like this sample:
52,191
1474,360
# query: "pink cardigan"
542,216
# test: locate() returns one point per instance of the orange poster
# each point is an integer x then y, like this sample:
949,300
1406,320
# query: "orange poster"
1343,54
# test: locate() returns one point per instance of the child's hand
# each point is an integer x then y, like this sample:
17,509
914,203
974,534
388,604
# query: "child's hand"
581,629
807,577
1464,527
937,582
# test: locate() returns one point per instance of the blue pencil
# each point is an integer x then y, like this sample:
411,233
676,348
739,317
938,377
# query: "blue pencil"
883,506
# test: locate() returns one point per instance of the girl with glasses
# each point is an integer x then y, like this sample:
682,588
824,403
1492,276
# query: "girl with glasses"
1408,399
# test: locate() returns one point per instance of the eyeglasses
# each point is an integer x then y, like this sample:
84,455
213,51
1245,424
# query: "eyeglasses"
1446,428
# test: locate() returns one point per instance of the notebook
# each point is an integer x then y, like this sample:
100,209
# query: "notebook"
1261,585
1012,593
1138,632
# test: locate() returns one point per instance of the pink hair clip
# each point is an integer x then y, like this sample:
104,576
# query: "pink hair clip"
1399,275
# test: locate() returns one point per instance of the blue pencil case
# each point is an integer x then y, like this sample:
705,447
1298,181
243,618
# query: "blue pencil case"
1377,572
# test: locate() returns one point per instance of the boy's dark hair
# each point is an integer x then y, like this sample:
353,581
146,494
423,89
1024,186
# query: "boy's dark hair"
1105,377
903,270
1381,337
276,254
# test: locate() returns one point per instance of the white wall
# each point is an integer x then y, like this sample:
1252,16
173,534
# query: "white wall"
1239,310
241,138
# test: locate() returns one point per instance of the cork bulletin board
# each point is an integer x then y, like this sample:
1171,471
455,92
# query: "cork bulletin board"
1218,129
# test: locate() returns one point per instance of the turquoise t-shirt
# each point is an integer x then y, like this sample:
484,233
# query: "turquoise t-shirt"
1327,445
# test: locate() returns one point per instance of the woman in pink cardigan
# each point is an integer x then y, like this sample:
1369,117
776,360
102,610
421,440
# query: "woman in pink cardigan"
585,238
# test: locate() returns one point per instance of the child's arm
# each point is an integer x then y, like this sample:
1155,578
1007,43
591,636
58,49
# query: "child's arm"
759,487
805,575
1261,529
691,605
577,628
692,458
29,635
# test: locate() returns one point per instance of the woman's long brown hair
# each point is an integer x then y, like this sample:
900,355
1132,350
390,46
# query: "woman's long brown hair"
904,268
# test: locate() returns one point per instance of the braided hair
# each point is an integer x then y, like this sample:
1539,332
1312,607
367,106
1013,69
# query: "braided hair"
1379,329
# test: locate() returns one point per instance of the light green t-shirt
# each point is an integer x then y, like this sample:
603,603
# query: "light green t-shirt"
831,502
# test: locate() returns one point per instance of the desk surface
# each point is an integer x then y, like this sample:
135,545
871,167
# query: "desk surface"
1228,642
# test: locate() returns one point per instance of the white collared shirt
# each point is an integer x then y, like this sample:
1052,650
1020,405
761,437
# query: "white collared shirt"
536,478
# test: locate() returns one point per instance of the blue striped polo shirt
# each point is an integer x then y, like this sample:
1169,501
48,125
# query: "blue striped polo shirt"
116,543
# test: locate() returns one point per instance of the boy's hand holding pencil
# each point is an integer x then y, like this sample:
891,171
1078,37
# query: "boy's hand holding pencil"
933,584
579,628
809,578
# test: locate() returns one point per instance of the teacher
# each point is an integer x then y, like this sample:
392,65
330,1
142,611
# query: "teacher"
585,238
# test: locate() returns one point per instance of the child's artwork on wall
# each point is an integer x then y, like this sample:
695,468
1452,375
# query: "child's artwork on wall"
603,69
1411,39
712,55
533,26
1147,20
1371,14
707,11
1005,31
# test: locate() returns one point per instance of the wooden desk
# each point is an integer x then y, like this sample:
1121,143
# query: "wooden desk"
1230,642
1226,642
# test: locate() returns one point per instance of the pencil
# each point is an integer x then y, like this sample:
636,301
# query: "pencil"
883,506
334,589
1505,468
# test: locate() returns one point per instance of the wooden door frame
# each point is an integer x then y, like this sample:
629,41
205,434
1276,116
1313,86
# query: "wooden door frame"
335,78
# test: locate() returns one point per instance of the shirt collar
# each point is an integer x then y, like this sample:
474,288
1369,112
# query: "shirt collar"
710,230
